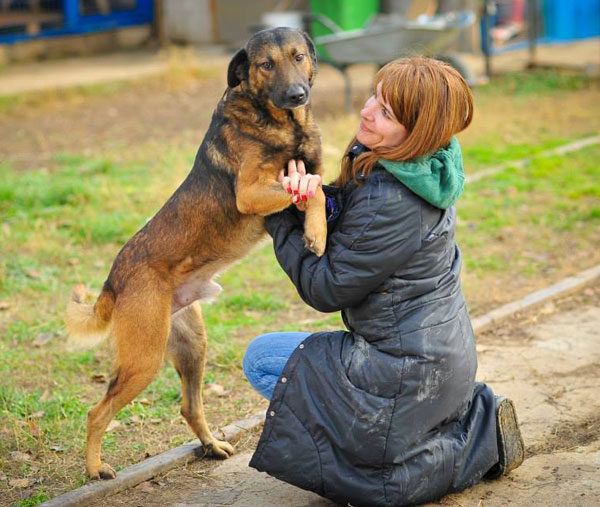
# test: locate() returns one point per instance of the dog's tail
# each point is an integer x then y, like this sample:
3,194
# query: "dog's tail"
88,324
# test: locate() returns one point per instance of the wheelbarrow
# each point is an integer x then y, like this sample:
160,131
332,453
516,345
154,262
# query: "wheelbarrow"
387,37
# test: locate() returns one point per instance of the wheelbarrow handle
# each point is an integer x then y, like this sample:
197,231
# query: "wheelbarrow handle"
324,20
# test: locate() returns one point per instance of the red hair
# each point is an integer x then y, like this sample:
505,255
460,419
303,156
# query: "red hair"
429,98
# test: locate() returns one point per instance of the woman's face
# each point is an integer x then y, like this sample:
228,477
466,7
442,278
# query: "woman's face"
379,127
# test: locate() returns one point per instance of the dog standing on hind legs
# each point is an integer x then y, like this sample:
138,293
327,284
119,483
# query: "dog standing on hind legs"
149,302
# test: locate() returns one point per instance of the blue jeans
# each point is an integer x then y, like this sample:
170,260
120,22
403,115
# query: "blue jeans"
266,357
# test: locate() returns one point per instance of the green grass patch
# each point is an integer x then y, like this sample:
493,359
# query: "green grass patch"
40,497
482,156
536,81
530,209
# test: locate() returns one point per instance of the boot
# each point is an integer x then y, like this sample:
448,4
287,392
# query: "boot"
511,449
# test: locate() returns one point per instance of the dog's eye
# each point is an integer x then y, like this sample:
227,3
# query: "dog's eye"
266,65
299,57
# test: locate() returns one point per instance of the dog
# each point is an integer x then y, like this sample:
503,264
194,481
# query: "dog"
149,303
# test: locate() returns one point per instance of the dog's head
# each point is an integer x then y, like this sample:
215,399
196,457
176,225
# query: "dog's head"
278,65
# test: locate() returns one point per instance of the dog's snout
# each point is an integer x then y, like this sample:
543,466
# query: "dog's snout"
296,95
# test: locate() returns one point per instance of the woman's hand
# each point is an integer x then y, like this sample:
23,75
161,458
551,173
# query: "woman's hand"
302,185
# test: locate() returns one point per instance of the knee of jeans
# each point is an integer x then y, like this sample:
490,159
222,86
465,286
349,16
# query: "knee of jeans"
252,354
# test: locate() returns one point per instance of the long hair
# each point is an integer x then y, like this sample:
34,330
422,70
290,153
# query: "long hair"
429,98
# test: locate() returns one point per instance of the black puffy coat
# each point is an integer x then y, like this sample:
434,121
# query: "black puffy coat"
386,413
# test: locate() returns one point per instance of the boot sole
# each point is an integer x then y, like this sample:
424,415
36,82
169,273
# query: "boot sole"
512,447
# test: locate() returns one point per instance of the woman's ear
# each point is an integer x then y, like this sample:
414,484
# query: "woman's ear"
238,69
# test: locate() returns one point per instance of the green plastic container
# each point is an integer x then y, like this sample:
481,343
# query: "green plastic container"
347,14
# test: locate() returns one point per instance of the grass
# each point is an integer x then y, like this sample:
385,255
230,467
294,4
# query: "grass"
519,230
535,82
524,226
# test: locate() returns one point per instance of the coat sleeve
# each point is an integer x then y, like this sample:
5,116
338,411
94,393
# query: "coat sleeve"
378,231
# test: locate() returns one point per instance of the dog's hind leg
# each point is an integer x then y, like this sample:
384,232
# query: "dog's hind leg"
187,349
140,332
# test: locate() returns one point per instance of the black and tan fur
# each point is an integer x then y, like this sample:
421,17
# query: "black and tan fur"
150,301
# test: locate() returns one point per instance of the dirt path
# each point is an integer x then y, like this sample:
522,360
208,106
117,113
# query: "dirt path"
548,362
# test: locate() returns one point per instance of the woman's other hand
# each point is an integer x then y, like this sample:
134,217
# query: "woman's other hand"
298,182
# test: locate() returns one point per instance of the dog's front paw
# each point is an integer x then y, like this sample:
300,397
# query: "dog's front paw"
315,243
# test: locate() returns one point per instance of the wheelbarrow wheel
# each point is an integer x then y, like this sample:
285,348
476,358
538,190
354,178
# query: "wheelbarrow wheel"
459,64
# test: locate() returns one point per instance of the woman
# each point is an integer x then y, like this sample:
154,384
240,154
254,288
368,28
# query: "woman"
388,412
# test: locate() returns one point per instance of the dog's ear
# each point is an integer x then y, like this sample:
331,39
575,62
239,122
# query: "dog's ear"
238,68
313,56
311,49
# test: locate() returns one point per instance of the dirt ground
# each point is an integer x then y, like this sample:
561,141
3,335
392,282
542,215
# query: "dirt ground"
547,361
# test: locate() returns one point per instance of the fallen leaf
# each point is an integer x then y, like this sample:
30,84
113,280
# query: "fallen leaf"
217,389
33,273
99,264
144,401
156,420
35,430
42,339
99,378
113,425
19,456
4,305
134,419
20,483
146,487
57,448
72,261
37,415
549,308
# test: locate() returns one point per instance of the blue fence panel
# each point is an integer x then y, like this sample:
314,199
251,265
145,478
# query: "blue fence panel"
74,22
573,19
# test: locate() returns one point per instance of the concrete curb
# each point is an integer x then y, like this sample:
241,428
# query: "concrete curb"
140,472
562,288
559,150
133,475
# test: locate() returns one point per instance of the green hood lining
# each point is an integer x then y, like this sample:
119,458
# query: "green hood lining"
437,177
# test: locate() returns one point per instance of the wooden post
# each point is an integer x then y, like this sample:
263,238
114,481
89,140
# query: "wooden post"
159,23
533,28
214,20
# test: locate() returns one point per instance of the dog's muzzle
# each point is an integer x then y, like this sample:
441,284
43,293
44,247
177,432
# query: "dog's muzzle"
295,96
